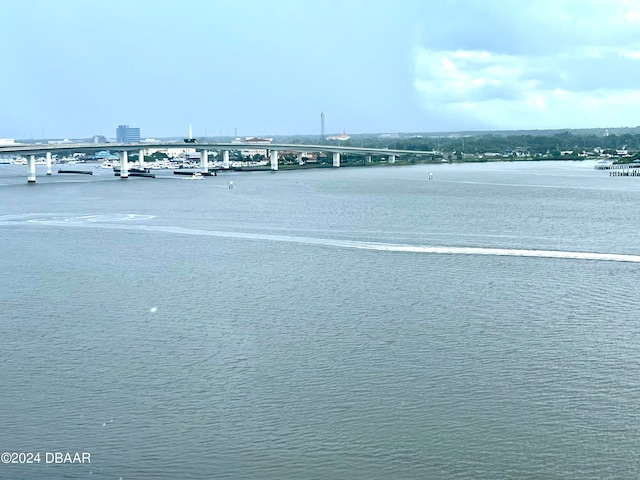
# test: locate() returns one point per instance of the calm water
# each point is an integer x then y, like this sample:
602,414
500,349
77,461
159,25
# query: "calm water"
300,325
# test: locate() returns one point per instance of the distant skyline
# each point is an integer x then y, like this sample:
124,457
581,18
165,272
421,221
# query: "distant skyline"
73,69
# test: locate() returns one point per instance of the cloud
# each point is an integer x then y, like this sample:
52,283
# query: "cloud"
584,77
633,55
468,76
633,17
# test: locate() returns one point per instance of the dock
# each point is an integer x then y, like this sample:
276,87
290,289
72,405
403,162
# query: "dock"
138,174
80,172
135,172
621,169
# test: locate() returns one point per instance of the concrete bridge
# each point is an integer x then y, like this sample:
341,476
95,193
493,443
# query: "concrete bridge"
123,149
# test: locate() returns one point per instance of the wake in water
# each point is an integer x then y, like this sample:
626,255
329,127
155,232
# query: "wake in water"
122,222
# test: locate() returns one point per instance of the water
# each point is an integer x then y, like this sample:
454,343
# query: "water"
323,324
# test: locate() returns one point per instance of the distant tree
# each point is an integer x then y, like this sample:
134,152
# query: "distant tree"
158,156
610,141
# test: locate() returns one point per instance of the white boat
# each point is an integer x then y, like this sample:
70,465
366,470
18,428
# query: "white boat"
106,164
197,176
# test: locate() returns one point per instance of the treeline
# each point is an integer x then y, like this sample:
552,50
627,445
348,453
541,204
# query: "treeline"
483,143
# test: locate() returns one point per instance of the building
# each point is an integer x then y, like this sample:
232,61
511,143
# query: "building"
342,137
250,152
175,153
105,155
127,134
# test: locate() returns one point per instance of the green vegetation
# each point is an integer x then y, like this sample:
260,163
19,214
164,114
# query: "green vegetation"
624,146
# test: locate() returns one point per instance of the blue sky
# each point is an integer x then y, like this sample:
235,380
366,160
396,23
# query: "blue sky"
72,68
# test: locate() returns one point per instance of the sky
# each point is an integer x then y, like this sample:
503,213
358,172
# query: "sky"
74,69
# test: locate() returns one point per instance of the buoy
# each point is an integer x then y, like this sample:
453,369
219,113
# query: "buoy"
430,175
230,185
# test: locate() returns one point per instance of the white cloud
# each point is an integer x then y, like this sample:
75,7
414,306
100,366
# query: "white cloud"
633,55
633,17
467,75
574,66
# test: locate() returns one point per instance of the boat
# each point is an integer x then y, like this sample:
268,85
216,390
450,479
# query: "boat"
106,164
197,176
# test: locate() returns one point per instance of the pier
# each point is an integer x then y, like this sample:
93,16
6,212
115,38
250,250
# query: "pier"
621,169
626,172
618,166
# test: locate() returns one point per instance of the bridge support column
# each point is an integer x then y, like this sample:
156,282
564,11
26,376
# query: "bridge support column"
274,159
141,158
124,164
204,161
48,163
31,169
225,159
368,158
392,159
336,159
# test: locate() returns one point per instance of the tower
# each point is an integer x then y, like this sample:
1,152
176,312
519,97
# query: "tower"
321,128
